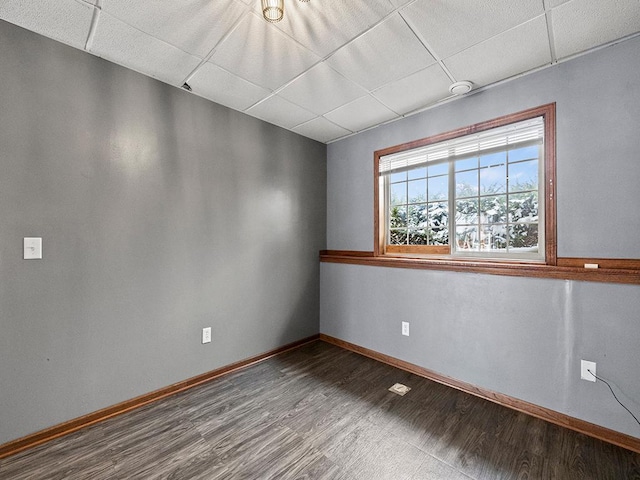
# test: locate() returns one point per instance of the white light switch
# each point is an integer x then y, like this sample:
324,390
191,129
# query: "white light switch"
206,335
32,248
405,329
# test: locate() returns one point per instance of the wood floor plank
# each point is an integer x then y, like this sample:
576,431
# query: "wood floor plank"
323,413
432,468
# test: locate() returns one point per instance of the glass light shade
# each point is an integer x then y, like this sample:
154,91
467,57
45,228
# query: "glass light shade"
273,10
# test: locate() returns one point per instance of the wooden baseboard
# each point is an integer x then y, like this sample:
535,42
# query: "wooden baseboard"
596,431
43,436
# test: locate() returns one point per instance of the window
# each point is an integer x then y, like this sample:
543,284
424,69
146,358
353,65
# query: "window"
481,192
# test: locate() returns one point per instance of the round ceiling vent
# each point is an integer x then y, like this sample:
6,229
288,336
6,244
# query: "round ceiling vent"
460,88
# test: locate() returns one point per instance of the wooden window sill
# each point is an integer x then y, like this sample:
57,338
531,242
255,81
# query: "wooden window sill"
614,270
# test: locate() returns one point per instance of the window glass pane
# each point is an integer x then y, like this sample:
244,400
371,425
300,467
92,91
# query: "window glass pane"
467,183
467,238
417,216
438,218
398,217
523,207
493,179
523,176
523,237
490,208
398,177
467,211
494,237
417,173
466,164
493,209
498,158
439,236
525,153
439,188
398,193
438,169
398,237
418,191
418,237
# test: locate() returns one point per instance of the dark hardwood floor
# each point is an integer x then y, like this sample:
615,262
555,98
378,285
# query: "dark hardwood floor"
320,412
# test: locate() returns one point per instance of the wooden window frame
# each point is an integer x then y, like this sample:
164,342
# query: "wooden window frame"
427,253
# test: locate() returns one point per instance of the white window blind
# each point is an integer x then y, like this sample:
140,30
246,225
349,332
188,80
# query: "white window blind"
521,134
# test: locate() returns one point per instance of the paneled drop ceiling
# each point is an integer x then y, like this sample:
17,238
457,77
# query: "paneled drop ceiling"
331,67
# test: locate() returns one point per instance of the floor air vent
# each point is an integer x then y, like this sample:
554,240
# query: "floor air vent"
400,389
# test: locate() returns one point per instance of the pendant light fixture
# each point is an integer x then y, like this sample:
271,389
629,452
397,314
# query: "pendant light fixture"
273,10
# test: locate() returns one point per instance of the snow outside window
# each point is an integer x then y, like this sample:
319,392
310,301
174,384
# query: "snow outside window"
479,195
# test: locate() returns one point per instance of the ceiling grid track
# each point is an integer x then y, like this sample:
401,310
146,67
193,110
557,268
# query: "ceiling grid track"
429,49
208,56
97,9
552,42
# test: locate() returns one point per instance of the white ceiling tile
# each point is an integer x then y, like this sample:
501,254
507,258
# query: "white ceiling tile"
555,3
510,53
378,65
279,111
451,26
321,129
195,26
321,89
582,24
220,86
419,90
323,26
399,3
67,21
385,53
128,46
262,54
360,114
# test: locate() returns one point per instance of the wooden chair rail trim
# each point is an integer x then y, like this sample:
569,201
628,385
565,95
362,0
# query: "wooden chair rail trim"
60,430
614,271
617,263
557,418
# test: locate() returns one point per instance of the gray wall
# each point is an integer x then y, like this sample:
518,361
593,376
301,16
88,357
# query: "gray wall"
519,336
161,213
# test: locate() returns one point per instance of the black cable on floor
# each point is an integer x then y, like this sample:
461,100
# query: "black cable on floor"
614,395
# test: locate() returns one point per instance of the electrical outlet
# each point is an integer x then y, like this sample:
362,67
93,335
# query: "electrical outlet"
206,335
32,248
405,329
584,373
